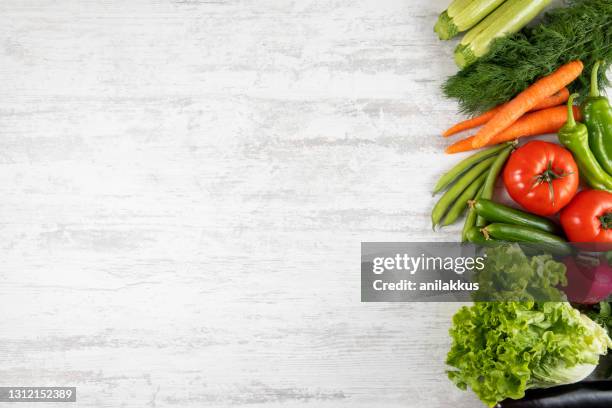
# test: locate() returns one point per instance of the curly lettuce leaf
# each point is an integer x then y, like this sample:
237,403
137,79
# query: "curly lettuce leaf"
501,349
510,275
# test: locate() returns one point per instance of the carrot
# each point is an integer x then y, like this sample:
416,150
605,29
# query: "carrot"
532,124
553,100
527,100
472,122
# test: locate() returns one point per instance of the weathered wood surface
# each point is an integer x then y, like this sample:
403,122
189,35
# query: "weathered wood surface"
185,186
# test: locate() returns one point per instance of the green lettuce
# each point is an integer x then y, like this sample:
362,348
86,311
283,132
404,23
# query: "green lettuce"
501,349
510,275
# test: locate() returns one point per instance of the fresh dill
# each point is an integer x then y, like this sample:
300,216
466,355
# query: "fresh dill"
580,31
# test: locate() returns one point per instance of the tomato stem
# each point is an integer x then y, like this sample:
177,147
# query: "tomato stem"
606,220
548,176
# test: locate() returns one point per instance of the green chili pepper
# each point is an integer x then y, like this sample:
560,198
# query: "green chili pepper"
489,185
597,114
575,136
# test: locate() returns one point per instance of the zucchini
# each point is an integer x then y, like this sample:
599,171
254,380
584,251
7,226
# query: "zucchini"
495,212
461,15
509,18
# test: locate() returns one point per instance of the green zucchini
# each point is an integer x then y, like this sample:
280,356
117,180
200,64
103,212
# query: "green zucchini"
509,18
461,15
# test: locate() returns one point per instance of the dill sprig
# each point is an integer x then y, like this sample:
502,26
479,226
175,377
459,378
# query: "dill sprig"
582,30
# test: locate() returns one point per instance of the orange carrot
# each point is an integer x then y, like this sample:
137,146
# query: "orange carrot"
553,100
472,122
527,100
532,124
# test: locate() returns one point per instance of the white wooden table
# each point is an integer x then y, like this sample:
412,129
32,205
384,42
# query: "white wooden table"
185,185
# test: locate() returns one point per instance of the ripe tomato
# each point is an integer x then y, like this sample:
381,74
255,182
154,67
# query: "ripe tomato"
588,218
542,177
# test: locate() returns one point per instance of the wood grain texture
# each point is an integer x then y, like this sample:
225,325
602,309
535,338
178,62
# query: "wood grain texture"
185,185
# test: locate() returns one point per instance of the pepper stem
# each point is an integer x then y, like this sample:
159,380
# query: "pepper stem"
485,233
606,220
594,80
570,110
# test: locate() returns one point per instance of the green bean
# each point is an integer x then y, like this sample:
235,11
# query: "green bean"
461,204
470,220
489,185
456,189
451,175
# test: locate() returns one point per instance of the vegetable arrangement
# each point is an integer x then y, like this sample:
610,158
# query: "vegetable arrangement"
582,31
516,82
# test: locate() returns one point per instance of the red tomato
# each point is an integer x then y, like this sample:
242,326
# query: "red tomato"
542,177
588,218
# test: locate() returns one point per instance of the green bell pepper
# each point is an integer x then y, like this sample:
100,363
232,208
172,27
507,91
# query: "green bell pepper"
598,118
